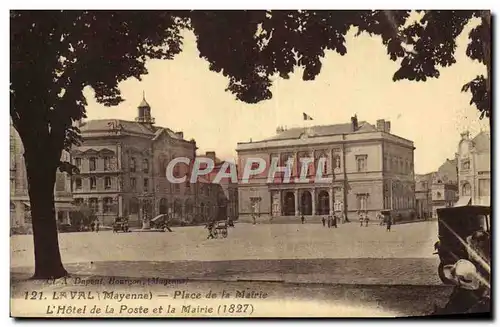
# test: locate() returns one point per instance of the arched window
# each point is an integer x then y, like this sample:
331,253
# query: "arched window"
466,189
134,206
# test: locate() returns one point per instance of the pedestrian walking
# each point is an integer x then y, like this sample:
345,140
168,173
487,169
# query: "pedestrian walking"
334,221
323,220
97,226
360,219
329,221
302,219
366,220
92,226
389,224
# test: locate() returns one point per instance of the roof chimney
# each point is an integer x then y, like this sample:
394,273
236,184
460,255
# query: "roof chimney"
354,121
387,126
381,125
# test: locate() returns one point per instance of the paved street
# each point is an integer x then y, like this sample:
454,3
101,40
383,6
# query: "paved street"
302,253
307,269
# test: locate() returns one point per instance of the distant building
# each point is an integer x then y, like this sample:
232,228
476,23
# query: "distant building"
371,169
474,169
436,190
423,195
122,169
20,208
224,200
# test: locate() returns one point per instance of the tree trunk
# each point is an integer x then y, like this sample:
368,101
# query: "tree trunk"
41,173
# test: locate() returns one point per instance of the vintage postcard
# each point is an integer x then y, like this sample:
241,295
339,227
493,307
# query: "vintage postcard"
300,163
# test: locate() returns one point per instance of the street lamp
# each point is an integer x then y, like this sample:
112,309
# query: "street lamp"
145,206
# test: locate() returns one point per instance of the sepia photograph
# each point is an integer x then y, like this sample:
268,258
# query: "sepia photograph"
250,163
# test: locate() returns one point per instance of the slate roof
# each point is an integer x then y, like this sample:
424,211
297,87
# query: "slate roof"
323,130
126,126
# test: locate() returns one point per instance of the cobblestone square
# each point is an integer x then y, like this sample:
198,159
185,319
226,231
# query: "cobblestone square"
292,252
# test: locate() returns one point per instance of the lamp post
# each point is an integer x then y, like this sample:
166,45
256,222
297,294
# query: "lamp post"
145,209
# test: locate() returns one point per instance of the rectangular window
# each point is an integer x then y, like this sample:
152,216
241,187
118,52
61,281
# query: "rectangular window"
78,183
78,163
133,183
60,182
177,188
107,163
145,165
146,184
362,200
107,205
132,165
93,183
484,187
361,162
93,204
92,164
107,182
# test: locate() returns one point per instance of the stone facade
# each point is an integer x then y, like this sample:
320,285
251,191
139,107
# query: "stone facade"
224,191
20,213
122,171
371,170
436,190
423,195
474,169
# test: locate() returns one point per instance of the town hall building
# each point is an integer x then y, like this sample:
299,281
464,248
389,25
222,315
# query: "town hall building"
370,168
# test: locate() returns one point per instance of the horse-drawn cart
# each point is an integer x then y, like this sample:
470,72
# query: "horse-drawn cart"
220,230
120,225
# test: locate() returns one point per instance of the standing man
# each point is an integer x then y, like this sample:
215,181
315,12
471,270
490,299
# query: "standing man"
302,218
323,220
97,226
360,218
389,223
329,221
334,220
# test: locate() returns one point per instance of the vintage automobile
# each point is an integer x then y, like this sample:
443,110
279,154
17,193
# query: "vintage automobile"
121,225
455,227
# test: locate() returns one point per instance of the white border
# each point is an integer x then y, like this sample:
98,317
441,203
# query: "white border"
149,4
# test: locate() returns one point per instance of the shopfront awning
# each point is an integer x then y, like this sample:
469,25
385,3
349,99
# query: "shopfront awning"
463,201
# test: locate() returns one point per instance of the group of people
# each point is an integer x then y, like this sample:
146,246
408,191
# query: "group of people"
331,221
384,220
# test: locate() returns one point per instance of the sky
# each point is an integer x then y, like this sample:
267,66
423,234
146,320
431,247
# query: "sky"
186,96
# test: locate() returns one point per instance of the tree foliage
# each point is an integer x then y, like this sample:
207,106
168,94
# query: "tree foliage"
288,39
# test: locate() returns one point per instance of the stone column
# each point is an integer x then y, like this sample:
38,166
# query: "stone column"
330,201
296,199
313,195
120,206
